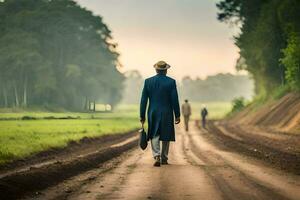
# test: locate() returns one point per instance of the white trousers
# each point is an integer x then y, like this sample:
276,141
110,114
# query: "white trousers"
155,144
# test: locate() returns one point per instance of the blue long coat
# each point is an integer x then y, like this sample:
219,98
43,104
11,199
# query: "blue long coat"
161,92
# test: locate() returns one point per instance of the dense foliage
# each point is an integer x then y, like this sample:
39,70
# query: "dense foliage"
53,52
220,87
269,40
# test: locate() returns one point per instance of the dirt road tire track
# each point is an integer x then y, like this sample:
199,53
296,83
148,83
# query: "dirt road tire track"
283,160
230,181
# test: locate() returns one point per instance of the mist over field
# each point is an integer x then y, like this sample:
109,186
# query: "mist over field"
216,88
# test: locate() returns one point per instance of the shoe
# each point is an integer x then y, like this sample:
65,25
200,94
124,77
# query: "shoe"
157,162
164,162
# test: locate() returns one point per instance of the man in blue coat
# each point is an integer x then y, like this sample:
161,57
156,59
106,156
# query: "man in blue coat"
161,92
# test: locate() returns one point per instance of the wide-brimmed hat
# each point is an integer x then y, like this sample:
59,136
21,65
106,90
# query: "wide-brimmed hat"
161,65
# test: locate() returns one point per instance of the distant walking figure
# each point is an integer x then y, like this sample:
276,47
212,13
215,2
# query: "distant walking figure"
186,111
204,114
161,92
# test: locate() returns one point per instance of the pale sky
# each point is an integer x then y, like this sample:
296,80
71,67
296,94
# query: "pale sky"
184,33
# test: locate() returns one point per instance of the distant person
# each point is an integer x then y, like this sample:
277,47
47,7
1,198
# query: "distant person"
204,114
161,92
186,111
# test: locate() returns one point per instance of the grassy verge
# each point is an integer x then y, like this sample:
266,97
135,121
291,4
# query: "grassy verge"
22,138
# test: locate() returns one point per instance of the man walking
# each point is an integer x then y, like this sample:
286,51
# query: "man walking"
162,94
204,114
186,111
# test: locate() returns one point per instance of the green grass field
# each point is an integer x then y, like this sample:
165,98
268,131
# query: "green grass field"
22,138
216,110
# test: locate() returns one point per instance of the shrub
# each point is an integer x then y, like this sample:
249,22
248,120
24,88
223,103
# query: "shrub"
291,61
238,104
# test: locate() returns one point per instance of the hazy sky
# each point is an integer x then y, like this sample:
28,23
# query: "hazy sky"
185,33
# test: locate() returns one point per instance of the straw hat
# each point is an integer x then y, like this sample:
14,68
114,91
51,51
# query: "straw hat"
161,65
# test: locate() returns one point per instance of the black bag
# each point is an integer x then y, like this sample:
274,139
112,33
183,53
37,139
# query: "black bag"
143,142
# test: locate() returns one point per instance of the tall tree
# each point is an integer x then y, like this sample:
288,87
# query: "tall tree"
58,54
262,38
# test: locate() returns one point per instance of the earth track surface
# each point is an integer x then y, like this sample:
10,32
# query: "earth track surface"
200,168
278,149
47,169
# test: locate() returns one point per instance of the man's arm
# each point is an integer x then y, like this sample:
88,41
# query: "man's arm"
175,102
143,104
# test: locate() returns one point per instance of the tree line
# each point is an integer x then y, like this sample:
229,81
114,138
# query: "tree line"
56,53
219,87
269,41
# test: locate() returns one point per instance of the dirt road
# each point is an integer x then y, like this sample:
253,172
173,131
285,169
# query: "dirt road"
198,169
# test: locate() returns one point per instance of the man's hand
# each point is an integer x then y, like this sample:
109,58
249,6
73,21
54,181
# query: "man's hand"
177,120
142,121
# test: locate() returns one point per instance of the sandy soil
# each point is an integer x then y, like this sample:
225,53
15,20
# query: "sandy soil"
279,115
199,169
